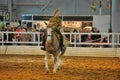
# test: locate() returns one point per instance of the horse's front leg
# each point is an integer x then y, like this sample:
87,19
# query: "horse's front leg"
46,62
56,63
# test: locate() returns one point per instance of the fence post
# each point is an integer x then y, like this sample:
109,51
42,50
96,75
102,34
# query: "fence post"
38,38
75,39
2,38
7,36
113,40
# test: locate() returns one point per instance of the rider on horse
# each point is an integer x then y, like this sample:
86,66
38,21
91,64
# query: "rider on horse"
56,23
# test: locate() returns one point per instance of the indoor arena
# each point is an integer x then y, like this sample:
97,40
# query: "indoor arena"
59,39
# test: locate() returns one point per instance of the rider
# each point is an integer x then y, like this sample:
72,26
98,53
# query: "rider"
56,23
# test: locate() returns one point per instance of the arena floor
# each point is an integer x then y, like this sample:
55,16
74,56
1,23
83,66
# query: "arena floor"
24,67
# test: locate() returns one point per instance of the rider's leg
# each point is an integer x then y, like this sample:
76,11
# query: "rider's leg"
43,43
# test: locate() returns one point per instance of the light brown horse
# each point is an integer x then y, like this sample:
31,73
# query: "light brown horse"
52,46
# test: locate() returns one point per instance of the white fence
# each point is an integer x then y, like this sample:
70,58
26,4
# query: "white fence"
75,39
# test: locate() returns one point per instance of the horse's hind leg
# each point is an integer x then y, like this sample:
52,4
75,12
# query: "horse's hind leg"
46,63
60,57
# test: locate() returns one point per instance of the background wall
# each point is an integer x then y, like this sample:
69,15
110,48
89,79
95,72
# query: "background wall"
66,7
46,7
102,22
116,16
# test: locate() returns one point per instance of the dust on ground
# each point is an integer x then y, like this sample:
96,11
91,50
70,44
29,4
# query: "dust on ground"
29,67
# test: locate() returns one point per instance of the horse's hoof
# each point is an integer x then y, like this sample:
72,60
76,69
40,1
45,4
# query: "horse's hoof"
47,71
54,71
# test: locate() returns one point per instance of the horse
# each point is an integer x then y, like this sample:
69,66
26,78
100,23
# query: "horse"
52,46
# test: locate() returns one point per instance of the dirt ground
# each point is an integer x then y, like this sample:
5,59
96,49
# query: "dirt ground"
23,67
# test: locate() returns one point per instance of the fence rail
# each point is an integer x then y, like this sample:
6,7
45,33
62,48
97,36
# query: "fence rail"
75,39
